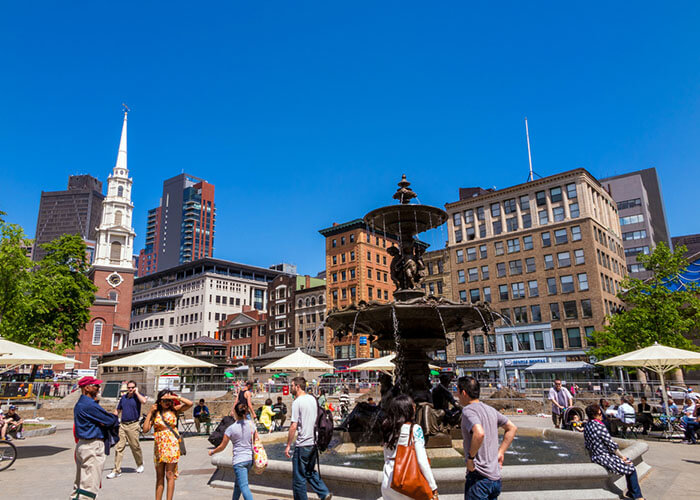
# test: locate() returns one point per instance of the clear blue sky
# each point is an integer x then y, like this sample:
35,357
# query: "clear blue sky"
306,113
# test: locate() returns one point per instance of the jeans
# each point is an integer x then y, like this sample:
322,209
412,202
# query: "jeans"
633,485
241,487
303,470
480,487
691,429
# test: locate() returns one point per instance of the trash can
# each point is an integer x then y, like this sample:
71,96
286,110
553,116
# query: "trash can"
285,390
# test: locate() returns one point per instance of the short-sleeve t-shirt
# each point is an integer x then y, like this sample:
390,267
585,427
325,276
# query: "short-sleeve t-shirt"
562,397
486,461
241,435
304,413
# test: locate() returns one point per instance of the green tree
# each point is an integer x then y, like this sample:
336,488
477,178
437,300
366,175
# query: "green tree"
654,313
54,298
14,270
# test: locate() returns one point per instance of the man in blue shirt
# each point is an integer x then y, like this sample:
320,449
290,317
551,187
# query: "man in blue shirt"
90,424
129,411
201,415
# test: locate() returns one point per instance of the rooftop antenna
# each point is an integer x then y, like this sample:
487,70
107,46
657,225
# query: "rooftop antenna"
531,177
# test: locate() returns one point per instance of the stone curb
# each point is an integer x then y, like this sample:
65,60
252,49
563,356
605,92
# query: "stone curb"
40,432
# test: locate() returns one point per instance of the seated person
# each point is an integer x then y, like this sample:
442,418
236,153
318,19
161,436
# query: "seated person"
576,423
266,414
672,409
625,411
644,415
692,426
280,412
12,423
201,415
688,407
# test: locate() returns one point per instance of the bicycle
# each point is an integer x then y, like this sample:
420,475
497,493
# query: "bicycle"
8,454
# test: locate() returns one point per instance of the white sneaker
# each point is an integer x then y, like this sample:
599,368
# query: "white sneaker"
113,474
139,469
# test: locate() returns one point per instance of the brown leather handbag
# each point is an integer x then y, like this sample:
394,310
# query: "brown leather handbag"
408,478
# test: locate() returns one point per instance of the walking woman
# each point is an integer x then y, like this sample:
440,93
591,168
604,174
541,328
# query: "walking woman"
605,452
396,429
241,434
166,447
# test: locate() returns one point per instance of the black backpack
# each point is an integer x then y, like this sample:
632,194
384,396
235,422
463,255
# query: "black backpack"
323,430
218,435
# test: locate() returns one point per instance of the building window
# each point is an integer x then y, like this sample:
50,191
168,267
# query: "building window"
466,344
97,332
582,281
575,233
473,274
527,242
94,360
463,295
567,284
631,252
495,210
524,340
483,252
474,295
530,264
564,259
560,236
535,313
115,252
558,214
513,245
541,198
635,268
468,216
482,230
527,221
480,214
571,191
484,272
518,290
498,247
554,311
334,243
634,235
352,238
579,257
460,276
335,259
500,269
573,210
558,338
497,228
503,292
586,309
511,224
546,240
471,254
516,267
570,311
539,341
574,337
631,219
352,255
458,235
552,286
555,194
637,202
548,261
543,217
532,287
508,341
487,294
509,206
479,344
457,219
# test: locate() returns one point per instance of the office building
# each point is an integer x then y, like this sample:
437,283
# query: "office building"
189,301
310,312
112,271
438,279
547,255
181,229
640,207
245,334
357,269
280,311
77,210
690,241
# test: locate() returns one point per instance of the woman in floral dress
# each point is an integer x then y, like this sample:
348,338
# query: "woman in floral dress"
166,447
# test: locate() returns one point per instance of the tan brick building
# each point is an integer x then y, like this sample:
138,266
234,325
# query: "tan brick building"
310,313
548,256
357,269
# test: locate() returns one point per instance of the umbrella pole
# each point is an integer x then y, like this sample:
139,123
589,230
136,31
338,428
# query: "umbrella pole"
664,396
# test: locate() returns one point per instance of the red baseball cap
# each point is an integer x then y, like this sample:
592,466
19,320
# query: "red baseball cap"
89,381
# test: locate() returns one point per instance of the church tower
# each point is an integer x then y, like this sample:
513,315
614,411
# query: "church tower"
112,271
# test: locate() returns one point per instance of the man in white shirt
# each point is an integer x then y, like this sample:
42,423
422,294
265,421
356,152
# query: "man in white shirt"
625,412
304,413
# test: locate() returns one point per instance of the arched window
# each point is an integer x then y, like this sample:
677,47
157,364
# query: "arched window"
115,252
120,191
313,301
320,299
118,218
97,332
113,295
308,302
300,304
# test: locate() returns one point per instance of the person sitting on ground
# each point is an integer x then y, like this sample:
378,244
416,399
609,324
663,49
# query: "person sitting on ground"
266,415
644,415
13,423
201,416
280,412
606,453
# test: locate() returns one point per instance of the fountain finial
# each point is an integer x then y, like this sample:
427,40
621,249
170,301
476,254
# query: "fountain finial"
404,194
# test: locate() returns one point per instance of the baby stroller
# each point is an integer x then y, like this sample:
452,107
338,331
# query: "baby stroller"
567,421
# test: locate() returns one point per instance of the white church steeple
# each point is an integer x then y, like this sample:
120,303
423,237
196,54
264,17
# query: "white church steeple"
115,235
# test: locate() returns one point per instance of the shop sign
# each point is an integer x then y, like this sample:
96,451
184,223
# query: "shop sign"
524,361
472,363
363,340
578,357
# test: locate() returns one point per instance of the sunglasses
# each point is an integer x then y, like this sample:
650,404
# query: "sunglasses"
133,387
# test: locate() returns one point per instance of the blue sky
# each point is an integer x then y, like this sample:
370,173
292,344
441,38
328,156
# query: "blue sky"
306,113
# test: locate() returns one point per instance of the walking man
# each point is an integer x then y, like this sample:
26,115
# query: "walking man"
484,456
90,423
129,411
304,413
561,399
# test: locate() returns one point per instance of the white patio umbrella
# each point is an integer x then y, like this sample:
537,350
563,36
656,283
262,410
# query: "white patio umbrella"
298,361
14,355
383,364
162,360
658,358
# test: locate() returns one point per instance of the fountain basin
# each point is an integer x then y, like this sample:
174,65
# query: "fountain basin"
573,481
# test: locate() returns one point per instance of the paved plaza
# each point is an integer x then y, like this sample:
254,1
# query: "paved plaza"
45,470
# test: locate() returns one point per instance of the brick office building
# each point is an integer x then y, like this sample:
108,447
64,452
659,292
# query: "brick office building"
310,313
280,311
357,269
245,334
548,256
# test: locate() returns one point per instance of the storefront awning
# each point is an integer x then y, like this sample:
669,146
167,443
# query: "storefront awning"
560,366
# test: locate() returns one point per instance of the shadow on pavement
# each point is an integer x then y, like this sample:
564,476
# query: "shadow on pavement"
33,451
692,461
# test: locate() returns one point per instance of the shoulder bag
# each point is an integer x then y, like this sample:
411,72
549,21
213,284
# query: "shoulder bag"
180,439
408,478
259,453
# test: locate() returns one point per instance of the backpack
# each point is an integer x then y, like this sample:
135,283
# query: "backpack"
218,435
323,430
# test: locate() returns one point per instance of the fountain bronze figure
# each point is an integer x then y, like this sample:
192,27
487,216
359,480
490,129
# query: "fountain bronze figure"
414,324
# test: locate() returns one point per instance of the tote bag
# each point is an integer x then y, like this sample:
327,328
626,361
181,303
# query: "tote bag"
259,454
408,478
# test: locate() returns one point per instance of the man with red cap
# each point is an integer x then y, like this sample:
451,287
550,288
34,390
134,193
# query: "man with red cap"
91,423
